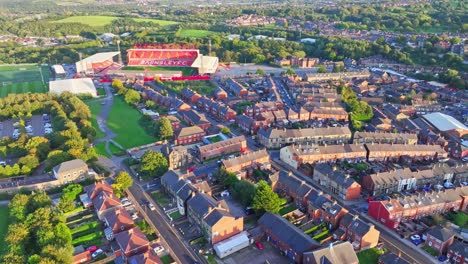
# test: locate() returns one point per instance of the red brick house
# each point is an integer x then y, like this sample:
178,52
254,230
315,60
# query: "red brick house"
118,220
222,148
190,95
286,183
175,122
392,212
335,181
132,242
94,190
189,135
220,94
321,207
104,203
286,237
457,253
440,238
361,234
247,124
177,104
336,253
213,218
148,257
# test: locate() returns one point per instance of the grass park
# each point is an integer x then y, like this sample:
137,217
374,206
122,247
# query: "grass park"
95,107
123,121
186,71
195,33
100,149
98,21
3,228
23,78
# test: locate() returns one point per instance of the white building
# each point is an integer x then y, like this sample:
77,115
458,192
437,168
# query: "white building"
74,86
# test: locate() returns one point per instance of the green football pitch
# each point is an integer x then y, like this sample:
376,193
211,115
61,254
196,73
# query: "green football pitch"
23,79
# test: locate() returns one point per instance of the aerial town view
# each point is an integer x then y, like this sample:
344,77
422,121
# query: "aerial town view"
233,132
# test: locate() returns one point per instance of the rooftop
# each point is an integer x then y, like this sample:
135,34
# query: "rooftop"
444,122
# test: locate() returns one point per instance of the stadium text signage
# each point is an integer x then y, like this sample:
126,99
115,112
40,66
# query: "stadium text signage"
155,62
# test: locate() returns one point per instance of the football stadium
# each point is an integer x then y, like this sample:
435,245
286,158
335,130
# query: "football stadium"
149,61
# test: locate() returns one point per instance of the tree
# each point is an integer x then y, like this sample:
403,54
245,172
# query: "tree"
153,164
265,199
122,182
164,129
322,69
18,207
226,130
290,71
244,192
260,71
132,97
228,179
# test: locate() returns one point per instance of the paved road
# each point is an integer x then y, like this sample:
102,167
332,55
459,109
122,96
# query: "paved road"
166,232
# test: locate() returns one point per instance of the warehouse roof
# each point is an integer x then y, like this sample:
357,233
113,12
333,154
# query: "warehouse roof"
444,122
74,86
100,57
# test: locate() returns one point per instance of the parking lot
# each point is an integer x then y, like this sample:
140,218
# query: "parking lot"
37,125
252,255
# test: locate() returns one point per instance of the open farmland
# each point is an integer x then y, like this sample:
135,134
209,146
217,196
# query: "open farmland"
98,21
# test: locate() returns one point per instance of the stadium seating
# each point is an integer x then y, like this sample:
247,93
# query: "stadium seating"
161,57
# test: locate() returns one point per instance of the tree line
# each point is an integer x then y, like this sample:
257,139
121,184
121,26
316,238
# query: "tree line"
73,132
37,233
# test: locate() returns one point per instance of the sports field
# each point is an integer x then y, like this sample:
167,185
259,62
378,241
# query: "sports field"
195,33
23,78
97,21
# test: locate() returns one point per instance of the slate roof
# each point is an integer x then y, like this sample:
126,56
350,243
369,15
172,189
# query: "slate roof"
339,253
459,248
195,117
346,220
391,258
334,175
272,133
287,232
70,165
301,188
251,156
200,203
441,233
212,218
105,201
359,227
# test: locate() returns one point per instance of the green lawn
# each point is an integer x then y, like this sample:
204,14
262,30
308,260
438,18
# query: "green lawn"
3,228
23,79
195,33
123,120
88,239
175,215
160,197
101,149
116,150
101,91
85,227
214,139
369,256
201,87
167,259
96,21
430,250
287,209
74,211
95,107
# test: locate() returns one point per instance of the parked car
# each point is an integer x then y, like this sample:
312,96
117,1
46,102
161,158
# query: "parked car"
151,207
158,249
259,245
415,237
97,253
134,216
92,249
